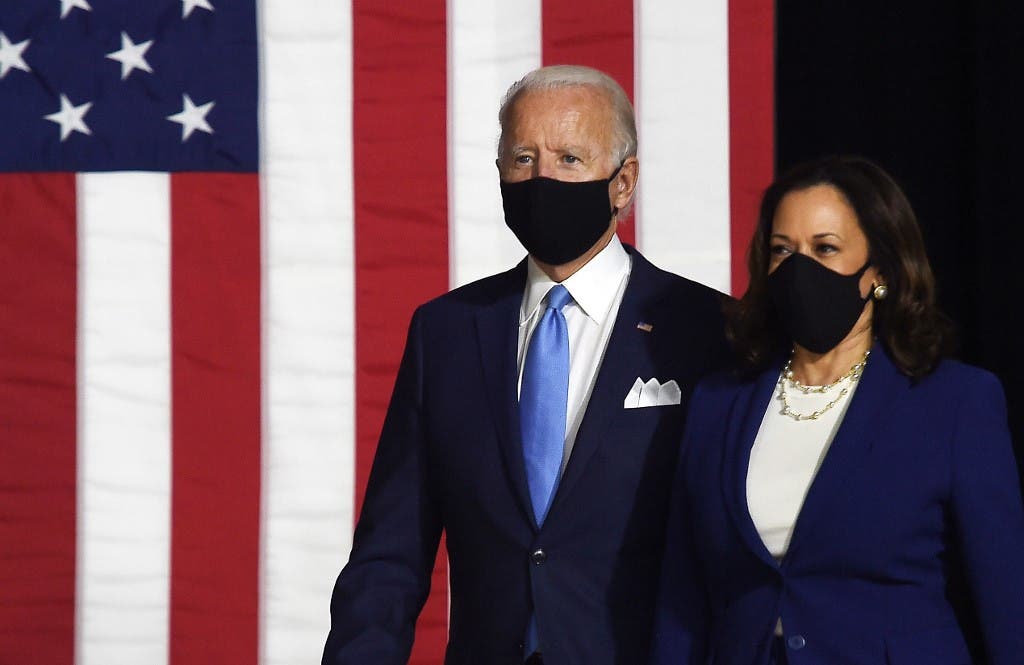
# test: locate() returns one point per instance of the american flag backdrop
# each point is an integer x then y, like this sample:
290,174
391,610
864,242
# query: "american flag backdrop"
216,217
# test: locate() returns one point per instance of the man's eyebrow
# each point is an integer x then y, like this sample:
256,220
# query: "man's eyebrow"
573,149
519,148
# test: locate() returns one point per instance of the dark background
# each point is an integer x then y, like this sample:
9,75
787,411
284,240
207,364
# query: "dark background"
931,92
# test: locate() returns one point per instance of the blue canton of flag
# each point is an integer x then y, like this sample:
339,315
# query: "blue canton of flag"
120,85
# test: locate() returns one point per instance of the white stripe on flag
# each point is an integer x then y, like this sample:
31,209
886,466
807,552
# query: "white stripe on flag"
308,333
491,43
124,439
683,106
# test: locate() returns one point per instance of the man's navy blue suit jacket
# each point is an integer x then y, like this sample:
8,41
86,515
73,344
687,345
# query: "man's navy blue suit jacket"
450,457
908,550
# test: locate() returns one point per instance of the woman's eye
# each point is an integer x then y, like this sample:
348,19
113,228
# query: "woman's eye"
779,250
825,248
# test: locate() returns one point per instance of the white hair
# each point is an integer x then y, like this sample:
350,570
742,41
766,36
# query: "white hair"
568,76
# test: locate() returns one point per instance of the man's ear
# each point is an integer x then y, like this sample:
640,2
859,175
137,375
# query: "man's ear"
624,183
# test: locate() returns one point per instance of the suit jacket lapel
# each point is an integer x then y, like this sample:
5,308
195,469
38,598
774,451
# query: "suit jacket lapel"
877,394
614,377
741,429
497,326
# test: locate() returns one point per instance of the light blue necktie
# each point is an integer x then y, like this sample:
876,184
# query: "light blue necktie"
543,398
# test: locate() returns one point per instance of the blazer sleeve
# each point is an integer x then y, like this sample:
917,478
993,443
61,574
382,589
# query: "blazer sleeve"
681,620
381,591
988,515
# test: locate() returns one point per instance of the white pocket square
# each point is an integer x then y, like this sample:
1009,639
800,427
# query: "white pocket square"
652,393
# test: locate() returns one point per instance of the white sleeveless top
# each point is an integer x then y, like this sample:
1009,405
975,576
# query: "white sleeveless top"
785,458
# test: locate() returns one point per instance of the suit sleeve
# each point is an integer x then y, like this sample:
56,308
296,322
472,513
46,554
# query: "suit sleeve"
381,591
989,518
681,619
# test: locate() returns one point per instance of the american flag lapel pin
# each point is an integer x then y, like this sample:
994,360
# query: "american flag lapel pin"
643,325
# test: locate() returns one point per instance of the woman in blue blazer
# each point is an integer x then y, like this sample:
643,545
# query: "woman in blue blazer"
852,498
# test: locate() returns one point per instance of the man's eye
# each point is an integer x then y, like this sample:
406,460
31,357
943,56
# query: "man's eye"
523,159
570,159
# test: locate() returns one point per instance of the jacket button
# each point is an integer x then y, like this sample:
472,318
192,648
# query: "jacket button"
538,557
796,642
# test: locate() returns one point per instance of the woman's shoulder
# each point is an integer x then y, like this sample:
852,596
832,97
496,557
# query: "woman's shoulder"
955,375
957,390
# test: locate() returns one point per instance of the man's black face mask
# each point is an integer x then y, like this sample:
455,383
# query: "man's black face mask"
557,221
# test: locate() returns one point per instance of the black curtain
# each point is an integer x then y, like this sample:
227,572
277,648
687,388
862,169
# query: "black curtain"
931,92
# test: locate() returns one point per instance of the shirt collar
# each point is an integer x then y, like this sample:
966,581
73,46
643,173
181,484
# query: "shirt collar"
593,287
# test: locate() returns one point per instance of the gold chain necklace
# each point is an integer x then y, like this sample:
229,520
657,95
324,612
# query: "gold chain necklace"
787,376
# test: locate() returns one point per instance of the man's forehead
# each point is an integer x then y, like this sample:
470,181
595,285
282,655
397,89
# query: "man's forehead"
569,110
589,97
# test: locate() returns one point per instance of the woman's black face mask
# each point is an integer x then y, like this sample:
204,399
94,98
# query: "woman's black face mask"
817,306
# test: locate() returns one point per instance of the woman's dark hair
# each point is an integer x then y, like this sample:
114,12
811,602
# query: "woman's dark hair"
908,322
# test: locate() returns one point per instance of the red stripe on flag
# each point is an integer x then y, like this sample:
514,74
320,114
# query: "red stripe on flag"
215,375
599,36
38,397
401,220
751,122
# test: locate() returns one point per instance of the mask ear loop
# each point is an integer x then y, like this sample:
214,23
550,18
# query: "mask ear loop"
615,209
860,273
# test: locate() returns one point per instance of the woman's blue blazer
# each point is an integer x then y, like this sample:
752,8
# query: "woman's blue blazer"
909,547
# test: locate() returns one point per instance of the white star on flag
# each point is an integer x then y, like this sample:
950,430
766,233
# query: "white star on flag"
67,5
131,56
188,5
192,117
10,56
70,118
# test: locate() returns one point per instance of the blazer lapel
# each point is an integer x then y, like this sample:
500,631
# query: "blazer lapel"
614,377
497,326
878,392
741,430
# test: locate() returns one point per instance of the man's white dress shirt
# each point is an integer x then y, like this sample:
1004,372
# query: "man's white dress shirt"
596,291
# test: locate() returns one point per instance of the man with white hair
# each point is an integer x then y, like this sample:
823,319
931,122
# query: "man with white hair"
536,416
